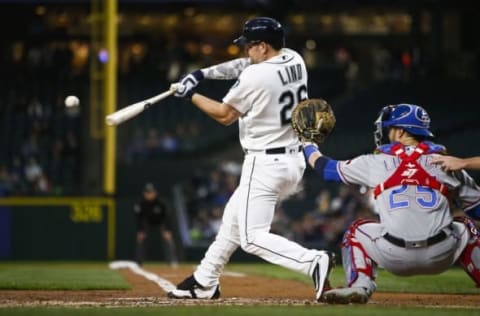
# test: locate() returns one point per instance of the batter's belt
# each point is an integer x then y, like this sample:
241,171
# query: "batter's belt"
435,239
275,151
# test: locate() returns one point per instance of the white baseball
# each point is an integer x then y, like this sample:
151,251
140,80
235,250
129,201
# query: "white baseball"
72,101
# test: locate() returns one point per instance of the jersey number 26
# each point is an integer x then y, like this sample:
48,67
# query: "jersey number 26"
288,99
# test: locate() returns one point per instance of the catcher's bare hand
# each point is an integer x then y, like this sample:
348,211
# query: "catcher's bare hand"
313,120
449,163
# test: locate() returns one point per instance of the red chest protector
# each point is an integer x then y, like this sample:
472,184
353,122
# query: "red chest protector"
410,172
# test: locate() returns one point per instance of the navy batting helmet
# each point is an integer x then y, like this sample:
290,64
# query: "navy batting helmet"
409,117
262,29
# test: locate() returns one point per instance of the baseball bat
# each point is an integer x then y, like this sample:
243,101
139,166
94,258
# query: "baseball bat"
134,109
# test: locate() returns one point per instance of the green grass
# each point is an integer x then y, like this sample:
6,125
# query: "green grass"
83,276
453,281
59,276
243,310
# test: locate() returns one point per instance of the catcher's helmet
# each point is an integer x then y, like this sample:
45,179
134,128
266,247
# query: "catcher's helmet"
262,29
409,117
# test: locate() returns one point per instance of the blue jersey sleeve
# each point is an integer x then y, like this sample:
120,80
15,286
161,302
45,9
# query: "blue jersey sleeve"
327,169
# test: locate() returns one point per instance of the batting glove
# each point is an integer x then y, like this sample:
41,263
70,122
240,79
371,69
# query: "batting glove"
190,82
181,90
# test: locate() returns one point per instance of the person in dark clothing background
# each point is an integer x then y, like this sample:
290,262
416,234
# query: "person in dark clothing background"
152,212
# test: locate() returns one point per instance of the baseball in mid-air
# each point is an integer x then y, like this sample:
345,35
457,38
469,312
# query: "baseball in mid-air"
72,101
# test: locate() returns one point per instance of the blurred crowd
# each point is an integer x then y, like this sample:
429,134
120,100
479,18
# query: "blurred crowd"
324,225
149,144
208,191
40,138
206,194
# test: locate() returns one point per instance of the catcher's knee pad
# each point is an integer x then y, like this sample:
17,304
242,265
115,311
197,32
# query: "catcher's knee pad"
470,257
354,258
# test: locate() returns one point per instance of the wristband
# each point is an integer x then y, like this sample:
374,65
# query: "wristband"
189,93
198,74
309,149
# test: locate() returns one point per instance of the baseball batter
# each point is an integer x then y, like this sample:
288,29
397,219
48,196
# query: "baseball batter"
270,83
416,233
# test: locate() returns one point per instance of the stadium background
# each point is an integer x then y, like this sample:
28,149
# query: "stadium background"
360,55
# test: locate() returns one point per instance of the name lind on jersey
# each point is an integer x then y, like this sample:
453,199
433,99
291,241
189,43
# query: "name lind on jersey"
290,74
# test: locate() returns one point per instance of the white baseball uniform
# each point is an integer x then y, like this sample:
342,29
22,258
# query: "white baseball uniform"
265,93
426,240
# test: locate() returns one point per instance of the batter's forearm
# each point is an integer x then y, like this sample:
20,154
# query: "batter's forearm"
227,70
220,112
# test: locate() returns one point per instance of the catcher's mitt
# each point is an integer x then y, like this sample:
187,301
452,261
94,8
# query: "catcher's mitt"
313,120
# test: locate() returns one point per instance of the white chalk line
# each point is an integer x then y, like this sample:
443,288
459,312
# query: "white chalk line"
164,284
234,274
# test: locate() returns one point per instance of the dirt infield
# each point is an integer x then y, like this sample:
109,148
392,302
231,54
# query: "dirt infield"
236,290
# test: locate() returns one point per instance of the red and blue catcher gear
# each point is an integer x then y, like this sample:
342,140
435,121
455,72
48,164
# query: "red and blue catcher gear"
470,257
354,258
410,172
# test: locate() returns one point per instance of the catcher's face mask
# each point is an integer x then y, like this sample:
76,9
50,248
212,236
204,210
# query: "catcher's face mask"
380,134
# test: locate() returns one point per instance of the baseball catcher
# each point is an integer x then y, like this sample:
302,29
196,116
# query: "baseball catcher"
313,120
413,199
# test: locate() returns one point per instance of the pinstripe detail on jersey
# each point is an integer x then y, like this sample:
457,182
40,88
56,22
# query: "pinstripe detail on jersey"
341,175
473,210
281,255
473,205
248,198
360,230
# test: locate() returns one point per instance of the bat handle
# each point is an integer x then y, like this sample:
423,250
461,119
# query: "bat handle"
159,97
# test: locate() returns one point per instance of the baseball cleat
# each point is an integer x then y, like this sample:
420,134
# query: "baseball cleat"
322,266
191,289
347,295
